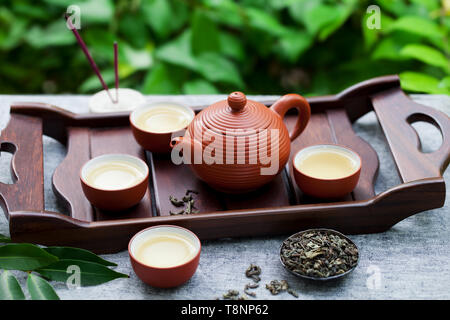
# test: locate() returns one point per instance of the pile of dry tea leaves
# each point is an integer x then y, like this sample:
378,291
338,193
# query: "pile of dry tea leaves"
187,202
319,254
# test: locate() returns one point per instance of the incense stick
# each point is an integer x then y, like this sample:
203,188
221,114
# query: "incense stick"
88,55
116,70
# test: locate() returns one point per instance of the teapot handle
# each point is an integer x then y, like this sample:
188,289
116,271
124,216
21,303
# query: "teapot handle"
290,101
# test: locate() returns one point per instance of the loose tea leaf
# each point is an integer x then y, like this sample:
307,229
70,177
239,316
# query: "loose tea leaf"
292,292
231,294
187,198
77,254
187,201
90,273
253,272
275,286
250,286
10,288
24,257
40,289
176,202
319,254
190,207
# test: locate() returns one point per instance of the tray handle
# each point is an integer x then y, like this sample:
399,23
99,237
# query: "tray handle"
396,112
23,138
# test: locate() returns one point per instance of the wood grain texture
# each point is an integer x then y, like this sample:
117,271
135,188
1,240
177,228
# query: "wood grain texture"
331,122
66,179
396,112
174,180
23,138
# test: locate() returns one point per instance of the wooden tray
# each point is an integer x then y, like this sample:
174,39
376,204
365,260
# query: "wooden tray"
275,209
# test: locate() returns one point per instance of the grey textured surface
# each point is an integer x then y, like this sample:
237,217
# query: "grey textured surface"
410,261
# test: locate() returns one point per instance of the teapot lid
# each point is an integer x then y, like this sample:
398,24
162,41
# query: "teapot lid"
237,116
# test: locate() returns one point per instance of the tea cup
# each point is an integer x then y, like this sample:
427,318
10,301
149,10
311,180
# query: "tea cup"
326,170
114,182
154,125
162,265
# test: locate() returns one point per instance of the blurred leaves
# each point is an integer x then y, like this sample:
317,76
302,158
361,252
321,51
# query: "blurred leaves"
420,82
210,46
426,54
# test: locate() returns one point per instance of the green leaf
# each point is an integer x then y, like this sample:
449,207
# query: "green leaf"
293,44
40,289
421,82
133,27
426,54
10,38
77,254
158,16
264,21
417,25
445,83
55,34
100,44
91,274
96,11
28,10
24,256
199,86
178,52
204,34
321,16
343,12
140,59
93,83
231,46
227,12
160,80
216,68
10,288
299,10
4,239
389,48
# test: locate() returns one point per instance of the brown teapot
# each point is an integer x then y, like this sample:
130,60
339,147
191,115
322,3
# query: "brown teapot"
238,145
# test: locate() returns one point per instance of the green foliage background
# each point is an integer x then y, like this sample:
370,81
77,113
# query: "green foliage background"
258,46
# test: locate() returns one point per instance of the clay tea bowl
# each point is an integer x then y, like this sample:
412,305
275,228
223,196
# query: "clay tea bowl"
164,256
114,182
154,125
326,170
313,276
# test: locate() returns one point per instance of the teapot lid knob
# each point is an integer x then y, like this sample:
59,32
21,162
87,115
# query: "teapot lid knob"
237,100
